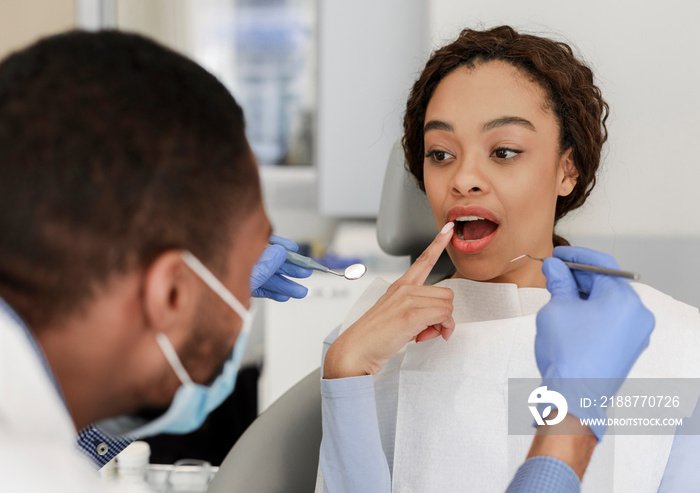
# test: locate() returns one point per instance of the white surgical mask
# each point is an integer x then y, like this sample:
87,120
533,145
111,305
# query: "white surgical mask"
193,402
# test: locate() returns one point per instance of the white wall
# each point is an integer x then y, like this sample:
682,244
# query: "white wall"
369,54
23,22
645,56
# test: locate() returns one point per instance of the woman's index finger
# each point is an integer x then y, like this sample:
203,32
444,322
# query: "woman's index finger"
419,271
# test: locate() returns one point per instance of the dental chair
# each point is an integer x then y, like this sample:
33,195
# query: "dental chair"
278,453
405,224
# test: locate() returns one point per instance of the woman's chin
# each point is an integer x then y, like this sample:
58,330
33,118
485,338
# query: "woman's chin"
476,269
484,269
523,278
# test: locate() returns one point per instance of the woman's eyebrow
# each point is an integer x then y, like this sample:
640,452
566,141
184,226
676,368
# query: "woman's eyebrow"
507,120
437,125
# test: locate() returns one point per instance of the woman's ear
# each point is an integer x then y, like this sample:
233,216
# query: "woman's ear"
568,173
168,293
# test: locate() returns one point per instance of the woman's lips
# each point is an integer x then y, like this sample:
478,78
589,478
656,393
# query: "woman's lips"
481,226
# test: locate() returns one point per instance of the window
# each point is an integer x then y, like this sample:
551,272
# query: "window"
262,50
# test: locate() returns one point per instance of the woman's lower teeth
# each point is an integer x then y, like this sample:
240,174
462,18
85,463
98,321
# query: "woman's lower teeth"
460,234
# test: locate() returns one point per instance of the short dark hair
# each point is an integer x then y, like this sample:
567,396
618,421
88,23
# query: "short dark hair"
571,93
113,149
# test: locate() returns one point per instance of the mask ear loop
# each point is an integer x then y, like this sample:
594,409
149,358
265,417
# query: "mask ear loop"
211,280
173,359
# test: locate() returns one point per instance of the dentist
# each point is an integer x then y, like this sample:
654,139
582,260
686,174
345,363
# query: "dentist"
132,219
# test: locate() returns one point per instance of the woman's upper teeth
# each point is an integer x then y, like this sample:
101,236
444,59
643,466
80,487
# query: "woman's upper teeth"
469,218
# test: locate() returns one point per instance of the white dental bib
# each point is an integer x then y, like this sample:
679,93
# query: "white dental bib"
442,406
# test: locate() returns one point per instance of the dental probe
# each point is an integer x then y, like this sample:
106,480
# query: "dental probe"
355,271
589,268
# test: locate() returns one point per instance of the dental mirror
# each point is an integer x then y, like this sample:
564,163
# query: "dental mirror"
355,271
352,273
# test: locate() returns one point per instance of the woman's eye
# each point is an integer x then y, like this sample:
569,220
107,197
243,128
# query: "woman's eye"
438,156
505,153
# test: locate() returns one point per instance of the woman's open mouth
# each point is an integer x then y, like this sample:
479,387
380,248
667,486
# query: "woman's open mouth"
475,228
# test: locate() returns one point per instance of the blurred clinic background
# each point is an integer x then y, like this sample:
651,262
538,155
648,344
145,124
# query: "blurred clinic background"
323,84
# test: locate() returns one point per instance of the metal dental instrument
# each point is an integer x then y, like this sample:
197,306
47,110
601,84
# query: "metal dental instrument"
589,268
355,271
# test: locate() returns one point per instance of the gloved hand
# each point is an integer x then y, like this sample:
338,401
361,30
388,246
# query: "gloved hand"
267,279
586,344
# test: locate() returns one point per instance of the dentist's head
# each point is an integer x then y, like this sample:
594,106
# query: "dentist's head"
131,218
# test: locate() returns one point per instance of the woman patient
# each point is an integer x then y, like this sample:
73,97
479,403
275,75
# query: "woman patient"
504,133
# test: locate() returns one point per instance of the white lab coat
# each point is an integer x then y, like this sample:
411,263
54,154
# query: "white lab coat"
38,451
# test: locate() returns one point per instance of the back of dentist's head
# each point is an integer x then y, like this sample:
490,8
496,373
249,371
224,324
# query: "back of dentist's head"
113,149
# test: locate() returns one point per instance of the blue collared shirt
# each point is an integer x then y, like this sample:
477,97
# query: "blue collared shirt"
100,448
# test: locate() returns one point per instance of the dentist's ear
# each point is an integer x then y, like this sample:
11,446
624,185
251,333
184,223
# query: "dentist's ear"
568,173
169,293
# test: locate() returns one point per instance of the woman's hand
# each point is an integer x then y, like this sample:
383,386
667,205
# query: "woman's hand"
408,311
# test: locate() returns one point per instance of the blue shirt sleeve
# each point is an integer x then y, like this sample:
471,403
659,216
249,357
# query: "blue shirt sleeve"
544,474
351,455
352,458
682,472
98,447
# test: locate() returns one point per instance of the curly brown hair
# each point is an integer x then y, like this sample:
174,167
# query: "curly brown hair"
571,95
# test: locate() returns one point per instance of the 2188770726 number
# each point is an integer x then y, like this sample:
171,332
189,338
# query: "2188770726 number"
649,401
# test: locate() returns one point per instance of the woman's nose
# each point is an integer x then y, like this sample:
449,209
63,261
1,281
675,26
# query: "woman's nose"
469,178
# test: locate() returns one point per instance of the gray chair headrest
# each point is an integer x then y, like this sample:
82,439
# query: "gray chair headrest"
405,224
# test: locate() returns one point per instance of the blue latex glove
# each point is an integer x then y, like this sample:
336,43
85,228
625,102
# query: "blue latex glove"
267,279
587,344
